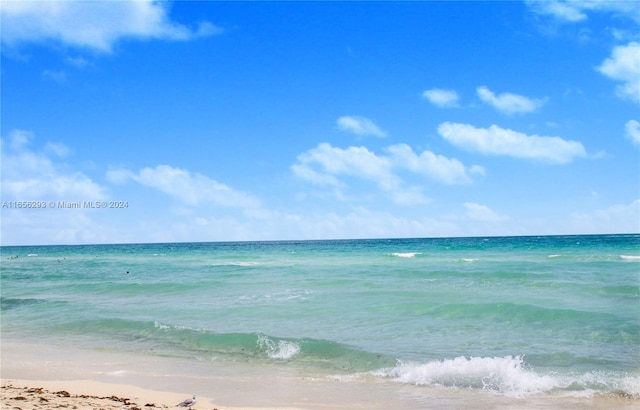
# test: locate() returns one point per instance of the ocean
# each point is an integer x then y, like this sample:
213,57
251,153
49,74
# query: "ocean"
535,316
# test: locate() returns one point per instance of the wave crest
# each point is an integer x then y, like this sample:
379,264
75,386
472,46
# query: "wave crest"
282,350
505,375
405,254
508,375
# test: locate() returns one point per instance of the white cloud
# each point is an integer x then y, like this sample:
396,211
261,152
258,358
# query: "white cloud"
619,218
560,10
624,66
632,131
448,171
441,98
95,25
499,141
482,213
573,11
30,175
508,103
360,126
353,161
325,164
20,139
190,188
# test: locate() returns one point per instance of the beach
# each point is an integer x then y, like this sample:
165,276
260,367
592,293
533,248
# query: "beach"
479,323
67,377
17,394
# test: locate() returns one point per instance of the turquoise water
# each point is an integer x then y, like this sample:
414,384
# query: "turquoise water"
507,315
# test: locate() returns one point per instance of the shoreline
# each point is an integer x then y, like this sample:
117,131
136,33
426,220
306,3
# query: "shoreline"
102,380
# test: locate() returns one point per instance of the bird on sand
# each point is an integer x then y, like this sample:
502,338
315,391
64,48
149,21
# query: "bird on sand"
187,403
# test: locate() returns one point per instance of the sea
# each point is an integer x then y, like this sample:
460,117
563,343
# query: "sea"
515,317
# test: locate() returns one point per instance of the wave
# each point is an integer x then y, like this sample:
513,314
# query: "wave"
12,303
203,344
512,312
282,350
405,254
509,376
632,258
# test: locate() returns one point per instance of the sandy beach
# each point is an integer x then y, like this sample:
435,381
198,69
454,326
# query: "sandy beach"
32,395
92,395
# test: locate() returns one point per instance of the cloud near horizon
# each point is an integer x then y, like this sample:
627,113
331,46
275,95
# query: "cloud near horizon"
28,174
325,164
500,141
192,189
483,213
93,25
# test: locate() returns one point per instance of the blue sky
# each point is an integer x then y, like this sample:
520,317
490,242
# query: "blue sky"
216,121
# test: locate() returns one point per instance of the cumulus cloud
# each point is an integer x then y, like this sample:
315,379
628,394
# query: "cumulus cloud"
500,141
325,165
96,25
624,66
483,213
361,126
441,98
31,175
190,188
632,131
508,103
445,170
353,161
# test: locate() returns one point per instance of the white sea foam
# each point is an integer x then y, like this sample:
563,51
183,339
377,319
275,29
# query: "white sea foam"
633,258
508,376
505,375
554,256
283,350
405,254
159,325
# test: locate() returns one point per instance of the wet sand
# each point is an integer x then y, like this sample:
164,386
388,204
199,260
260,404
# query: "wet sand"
45,377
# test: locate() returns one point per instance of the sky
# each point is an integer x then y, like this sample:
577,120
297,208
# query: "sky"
154,121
